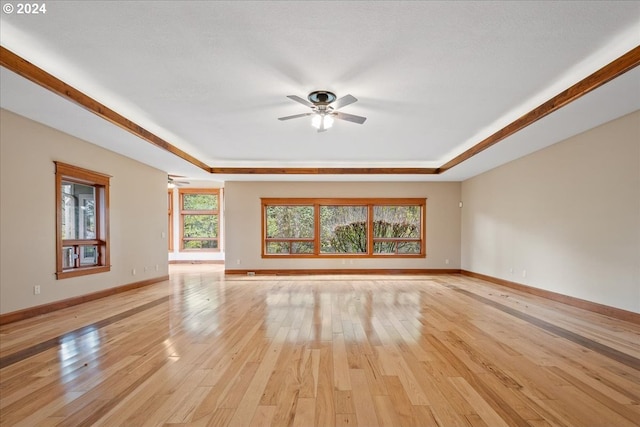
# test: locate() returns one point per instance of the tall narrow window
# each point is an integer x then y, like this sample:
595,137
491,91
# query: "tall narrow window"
82,214
200,219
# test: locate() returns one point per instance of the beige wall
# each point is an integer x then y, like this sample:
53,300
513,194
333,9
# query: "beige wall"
243,222
27,214
568,215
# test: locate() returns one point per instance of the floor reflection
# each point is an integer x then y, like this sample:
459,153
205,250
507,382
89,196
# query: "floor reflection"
77,345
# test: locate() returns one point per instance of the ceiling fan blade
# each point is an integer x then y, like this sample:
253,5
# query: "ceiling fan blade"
177,182
349,117
300,100
345,100
295,116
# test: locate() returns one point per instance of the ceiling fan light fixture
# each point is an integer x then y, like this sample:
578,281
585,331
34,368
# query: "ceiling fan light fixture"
322,121
328,122
316,121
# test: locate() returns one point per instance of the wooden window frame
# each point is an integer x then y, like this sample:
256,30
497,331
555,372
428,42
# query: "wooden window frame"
370,203
100,182
183,212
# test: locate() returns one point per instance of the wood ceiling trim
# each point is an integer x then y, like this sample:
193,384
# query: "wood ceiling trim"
619,66
325,171
31,72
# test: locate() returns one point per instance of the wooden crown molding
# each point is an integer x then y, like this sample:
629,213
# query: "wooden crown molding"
26,69
619,66
325,171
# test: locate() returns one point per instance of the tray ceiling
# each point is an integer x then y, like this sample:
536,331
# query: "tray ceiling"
433,79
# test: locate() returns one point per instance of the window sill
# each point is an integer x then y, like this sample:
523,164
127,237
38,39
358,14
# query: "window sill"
81,272
344,256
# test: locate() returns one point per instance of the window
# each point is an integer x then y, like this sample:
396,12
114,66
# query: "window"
82,218
397,229
290,229
343,227
170,211
200,226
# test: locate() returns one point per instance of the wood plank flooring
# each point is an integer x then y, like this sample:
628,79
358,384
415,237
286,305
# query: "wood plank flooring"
203,349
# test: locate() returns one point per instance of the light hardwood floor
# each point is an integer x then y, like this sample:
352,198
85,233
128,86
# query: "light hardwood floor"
205,349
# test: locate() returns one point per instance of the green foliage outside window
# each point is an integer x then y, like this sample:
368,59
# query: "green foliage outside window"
200,221
396,229
347,239
201,244
352,237
200,225
289,221
200,202
342,228
396,222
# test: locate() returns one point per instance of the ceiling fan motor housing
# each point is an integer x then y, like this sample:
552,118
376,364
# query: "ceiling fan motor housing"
321,97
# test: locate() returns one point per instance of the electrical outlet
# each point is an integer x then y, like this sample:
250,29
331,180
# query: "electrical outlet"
238,262
524,273
36,290
133,271
446,261
157,267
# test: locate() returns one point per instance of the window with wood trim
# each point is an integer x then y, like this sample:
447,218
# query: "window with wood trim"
82,221
170,226
343,227
199,219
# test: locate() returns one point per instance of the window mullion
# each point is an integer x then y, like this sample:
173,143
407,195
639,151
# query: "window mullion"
98,208
76,256
316,229
370,230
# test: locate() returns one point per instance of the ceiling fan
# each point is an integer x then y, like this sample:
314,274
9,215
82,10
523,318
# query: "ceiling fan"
172,182
324,105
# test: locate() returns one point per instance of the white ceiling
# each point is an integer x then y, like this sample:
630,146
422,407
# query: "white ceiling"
432,78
